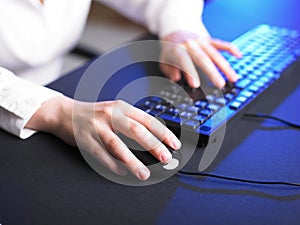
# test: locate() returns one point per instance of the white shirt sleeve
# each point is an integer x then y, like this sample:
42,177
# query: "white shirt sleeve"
19,100
163,17
33,35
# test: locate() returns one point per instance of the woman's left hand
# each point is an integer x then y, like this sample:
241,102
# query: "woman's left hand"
182,50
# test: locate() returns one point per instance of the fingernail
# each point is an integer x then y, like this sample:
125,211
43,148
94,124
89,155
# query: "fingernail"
239,54
166,156
235,79
143,173
234,76
176,144
221,82
196,83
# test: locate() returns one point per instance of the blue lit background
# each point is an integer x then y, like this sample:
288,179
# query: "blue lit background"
227,19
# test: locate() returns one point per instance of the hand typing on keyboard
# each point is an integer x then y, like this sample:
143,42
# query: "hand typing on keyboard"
183,50
267,51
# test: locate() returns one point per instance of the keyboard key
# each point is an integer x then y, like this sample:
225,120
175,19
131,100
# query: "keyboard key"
156,99
241,99
182,106
252,77
259,84
200,118
145,105
235,105
247,94
173,112
213,107
153,112
188,100
220,101
210,98
272,75
161,108
165,94
229,96
205,112
243,83
243,72
170,118
186,115
249,68
264,79
201,103
192,123
236,67
235,91
206,129
193,109
257,73
254,88
174,97
239,76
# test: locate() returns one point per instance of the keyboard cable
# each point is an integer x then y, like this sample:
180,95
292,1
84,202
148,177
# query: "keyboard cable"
249,181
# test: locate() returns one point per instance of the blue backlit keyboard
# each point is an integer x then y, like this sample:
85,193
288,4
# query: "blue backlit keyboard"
267,52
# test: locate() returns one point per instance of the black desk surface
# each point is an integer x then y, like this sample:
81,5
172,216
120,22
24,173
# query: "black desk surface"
44,181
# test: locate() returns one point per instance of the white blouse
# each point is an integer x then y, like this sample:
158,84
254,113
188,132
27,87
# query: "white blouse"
34,37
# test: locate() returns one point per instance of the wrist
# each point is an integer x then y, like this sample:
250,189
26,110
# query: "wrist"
51,114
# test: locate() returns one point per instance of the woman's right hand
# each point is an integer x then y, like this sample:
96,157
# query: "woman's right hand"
95,126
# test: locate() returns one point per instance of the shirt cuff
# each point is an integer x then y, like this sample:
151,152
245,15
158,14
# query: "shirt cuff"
19,100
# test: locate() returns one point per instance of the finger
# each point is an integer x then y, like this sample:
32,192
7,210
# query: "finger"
185,63
145,138
202,60
117,148
220,62
154,126
170,71
96,149
226,46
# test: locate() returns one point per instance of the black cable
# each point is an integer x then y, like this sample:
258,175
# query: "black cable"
239,179
260,115
257,115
